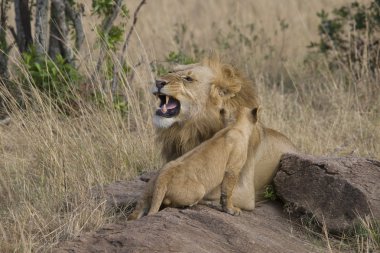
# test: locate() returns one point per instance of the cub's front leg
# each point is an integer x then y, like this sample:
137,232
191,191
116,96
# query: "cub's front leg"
228,184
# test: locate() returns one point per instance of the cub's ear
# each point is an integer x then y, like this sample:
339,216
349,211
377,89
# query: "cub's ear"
255,113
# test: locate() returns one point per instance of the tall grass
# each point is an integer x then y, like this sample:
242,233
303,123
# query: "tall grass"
50,160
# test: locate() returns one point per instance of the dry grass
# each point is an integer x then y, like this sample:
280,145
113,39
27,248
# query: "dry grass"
324,117
47,157
49,161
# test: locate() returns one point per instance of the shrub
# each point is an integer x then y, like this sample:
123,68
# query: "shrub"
56,78
350,37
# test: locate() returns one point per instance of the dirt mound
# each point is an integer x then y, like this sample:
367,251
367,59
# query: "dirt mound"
197,229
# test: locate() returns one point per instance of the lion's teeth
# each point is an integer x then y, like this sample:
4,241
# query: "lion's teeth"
167,99
164,110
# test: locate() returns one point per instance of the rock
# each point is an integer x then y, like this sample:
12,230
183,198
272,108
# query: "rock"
197,229
122,195
333,190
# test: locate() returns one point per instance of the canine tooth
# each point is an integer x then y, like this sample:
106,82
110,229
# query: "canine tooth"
167,99
164,110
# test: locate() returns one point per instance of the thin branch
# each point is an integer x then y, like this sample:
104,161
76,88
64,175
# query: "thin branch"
107,23
125,46
106,27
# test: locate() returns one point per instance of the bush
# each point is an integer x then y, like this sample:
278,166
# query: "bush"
350,37
56,78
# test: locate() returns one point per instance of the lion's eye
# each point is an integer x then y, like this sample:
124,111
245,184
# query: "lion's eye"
188,78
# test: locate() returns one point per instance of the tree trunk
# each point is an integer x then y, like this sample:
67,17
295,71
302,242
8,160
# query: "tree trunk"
59,43
76,17
24,31
41,26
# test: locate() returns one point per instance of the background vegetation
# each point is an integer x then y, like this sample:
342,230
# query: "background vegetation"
80,107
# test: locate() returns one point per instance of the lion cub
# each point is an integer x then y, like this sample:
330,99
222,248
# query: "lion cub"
217,161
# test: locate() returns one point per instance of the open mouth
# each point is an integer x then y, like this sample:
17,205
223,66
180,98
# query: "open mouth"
169,106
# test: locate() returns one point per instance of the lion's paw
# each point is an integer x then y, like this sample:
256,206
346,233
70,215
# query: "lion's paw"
233,211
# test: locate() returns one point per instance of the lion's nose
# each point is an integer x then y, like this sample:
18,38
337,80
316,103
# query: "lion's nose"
160,84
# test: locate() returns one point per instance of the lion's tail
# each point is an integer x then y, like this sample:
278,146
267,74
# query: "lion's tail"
158,194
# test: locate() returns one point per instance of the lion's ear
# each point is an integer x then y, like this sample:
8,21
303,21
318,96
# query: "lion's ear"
228,84
228,71
219,94
226,90
225,85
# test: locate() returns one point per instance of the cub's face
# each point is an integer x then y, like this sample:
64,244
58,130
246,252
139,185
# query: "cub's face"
182,95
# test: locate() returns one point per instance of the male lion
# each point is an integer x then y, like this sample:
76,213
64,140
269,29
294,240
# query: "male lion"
214,163
190,100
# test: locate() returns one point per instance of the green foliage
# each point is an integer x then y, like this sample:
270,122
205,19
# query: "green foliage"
113,38
185,54
173,58
110,37
368,230
180,33
54,78
110,40
371,230
180,58
248,37
245,36
270,193
350,36
103,7
160,70
118,102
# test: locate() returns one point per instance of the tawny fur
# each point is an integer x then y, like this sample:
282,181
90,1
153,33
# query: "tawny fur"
216,163
217,85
